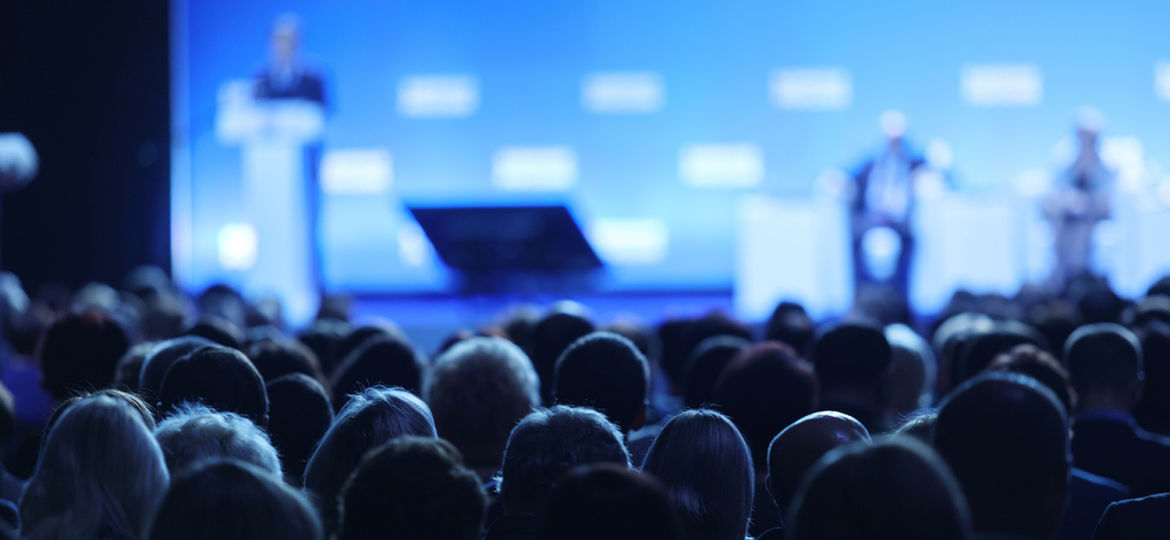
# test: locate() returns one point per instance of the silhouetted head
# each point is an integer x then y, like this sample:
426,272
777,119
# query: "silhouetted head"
1153,411
1038,364
324,337
545,445
704,366
706,468
551,336
791,325
765,388
158,361
299,414
379,361
1105,366
219,330
130,365
612,502
79,352
195,433
913,372
275,358
1006,439
896,488
606,372
852,362
221,378
412,487
795,450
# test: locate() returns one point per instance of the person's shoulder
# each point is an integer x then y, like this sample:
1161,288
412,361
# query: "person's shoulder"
776,533
1144,516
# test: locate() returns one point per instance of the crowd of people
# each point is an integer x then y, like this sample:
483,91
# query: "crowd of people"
141,413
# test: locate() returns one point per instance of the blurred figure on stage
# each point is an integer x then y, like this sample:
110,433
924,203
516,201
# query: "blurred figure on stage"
881,207
1078,202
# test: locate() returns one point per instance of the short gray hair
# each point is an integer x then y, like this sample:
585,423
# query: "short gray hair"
195,433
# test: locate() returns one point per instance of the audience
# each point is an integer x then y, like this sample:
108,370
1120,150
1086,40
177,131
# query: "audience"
606,372
299,415
218,377
195,433
611,502
704,366
566,323
378,361
852,363
79,352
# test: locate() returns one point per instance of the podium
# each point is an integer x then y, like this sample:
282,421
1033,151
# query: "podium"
274,136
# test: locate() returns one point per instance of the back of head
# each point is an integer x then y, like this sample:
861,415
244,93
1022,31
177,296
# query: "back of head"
195,433
791,325
694,332
897,488
1153,411
549,442
765,388
703,367
130,365
913,371
413,487
850,356
478,390
795,450
381,361
100,474
1006,439
299,414
706,468
221,378
80,352
324,337
978,352
159,360
230,500
1103,359
550,337
1038,364
371,418
219,330
275,358
612,502
140,407
606,372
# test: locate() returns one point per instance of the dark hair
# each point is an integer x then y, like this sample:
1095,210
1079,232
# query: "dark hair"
368,419
1102,357
158,361
1006,438
275,358
795,450
612,502
606,372
791,325
378,361
1030,360
1153,410
478,390
137,404
195,433
705,465
357,337
896,488
100,475
850,355
221,378
765,388
549,442
323,338
219,330
919,426
550,337
80,351
415,487
299,415
694,332
130,365
232,500
978,352
703,367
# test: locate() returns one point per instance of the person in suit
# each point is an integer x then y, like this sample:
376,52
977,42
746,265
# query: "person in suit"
1078,203
1105,365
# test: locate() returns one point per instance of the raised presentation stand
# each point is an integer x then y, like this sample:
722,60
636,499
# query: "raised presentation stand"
274,136
511,249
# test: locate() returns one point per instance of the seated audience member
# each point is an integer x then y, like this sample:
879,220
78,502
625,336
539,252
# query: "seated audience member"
136,404
159,360
795,450
222,301
636,333
368,419
852,362
896,488
910,385
195,433
977,352
324,337
359,335
130,365
218,330
299,415
706,467
380,361
542,448
1136,519
100,475
791,325
275,358
564,324
765,388
1006,440
607,373
702,369
1153,409
10,486
1030,360
231,500
79,352
221,378
611,502
694,332
919,426
1105,365
478,390
949,337
412,487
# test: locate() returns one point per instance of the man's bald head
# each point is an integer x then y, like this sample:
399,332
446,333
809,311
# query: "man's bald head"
796,449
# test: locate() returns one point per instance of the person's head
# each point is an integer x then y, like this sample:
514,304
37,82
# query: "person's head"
765,388
854,360
232,500
285,41
143,409
195,433
919,426
416,487
219,330
690,333
791,325
706,468
1038,364
324,337
159,360
130,365
384,361
299,414
895,488
79,352
609,501
545,445
221,378
100,472
979,350
1104,363
550,337
608,373
1153,411
795,450
703,367
275,358
910,384
478,390
368,419
1006,439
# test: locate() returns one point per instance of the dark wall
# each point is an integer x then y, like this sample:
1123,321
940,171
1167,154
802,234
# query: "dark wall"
88,83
